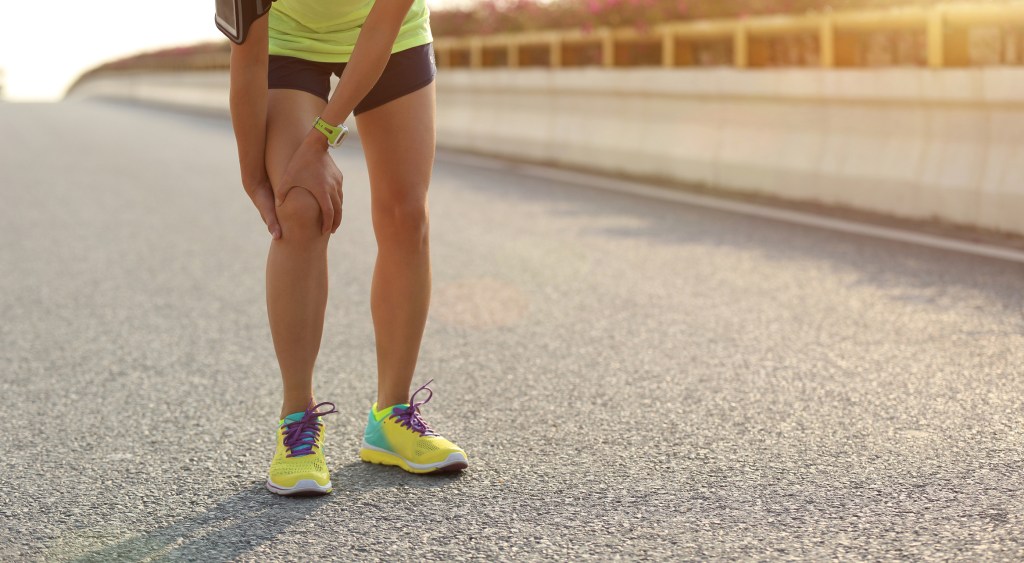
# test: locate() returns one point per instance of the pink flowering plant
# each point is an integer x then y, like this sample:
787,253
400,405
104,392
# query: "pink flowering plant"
503,16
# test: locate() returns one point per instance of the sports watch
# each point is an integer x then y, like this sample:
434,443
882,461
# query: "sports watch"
335,134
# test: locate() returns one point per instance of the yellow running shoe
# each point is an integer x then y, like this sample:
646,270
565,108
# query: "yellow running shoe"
298,467
398,436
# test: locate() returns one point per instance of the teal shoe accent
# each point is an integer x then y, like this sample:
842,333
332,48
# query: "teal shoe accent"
374,434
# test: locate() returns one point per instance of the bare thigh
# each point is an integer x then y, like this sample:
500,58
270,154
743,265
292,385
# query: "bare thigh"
398,140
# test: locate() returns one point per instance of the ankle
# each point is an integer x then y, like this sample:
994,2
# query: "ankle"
293,405
385,401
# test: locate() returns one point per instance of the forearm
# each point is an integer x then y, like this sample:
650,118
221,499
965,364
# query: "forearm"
369,57
248,100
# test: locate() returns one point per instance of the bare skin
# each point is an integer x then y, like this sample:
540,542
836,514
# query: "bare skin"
297,262
401,131
297,188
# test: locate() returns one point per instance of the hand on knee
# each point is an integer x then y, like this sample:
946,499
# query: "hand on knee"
300,216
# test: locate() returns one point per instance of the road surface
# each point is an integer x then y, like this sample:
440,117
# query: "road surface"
631,378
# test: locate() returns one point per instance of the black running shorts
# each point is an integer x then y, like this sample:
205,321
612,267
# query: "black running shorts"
406,72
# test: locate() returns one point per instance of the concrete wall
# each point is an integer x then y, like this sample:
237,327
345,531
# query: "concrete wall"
909,142
913,143
205,90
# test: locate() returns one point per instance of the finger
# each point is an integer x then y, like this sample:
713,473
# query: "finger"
336,200
279,195
327,211
268,212
273,226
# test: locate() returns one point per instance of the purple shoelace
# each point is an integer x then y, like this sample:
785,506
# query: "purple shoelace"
302,434
410,418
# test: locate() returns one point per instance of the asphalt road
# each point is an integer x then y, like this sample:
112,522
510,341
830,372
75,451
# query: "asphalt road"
631,378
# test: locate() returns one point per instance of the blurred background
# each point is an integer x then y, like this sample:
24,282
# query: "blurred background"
40,62
45,46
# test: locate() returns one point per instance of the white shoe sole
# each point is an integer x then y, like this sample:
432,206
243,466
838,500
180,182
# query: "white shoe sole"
454,462
303,487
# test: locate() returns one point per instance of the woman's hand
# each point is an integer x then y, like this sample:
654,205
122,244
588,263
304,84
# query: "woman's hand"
312,168
262,196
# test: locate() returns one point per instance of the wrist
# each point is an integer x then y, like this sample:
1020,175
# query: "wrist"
334,134
315,139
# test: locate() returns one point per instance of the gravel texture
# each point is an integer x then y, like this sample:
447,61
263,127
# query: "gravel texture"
631,379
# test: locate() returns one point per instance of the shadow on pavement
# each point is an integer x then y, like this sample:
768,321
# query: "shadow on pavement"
246,520
233,526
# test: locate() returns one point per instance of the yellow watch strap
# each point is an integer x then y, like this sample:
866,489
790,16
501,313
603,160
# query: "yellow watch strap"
335,134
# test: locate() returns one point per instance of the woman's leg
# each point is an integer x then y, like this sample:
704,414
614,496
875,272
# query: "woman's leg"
297,263
398,140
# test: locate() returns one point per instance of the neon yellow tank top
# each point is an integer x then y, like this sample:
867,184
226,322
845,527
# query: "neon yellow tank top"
326,30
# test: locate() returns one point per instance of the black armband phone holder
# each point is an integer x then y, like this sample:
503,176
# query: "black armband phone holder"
235,17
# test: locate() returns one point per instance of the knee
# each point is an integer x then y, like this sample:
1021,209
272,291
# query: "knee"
403,222
300,216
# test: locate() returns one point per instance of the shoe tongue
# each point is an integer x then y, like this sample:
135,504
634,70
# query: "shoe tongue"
294,417
382,414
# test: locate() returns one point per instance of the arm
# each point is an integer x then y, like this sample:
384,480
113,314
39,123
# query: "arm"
311,166
248,102
369,57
